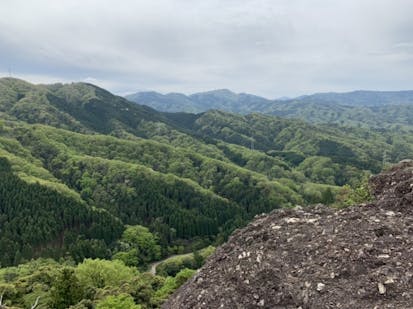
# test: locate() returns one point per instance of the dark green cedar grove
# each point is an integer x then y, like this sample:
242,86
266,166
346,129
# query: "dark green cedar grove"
36,220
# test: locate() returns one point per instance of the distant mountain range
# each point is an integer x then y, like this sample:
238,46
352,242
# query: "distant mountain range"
358,108
222,99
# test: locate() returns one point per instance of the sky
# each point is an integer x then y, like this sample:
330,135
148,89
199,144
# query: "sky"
271,48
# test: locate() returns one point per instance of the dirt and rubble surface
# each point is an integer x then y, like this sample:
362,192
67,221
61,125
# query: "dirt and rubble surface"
316,257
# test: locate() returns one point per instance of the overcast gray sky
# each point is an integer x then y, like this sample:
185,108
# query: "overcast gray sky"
267,47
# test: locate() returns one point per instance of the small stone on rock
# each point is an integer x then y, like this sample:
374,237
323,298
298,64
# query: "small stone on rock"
292,220
382,288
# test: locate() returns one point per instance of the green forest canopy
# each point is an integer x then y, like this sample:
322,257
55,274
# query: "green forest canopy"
86,174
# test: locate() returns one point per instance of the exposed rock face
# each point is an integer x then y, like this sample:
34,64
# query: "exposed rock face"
317,257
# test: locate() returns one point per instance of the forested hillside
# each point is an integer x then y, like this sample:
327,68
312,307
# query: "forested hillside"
222,99
37,220
368,109
86,174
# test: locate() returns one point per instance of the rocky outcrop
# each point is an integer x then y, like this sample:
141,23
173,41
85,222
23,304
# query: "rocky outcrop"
316,257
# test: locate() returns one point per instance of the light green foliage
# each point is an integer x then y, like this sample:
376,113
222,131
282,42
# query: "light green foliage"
172,283
63,286
139,245
320,169
166,159
183,276
353,195
23,284
289,139
100,273
121,301
66,290
129,257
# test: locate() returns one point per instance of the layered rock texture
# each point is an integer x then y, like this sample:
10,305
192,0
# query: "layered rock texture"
317,257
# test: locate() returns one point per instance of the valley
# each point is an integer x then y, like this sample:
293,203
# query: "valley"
90,179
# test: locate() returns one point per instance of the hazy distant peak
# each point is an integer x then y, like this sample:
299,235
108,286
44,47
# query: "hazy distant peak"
216,91
221,93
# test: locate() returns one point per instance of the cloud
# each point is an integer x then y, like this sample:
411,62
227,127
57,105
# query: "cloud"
272,48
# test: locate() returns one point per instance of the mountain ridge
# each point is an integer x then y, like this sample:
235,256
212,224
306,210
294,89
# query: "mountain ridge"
370,109
88,174
108,152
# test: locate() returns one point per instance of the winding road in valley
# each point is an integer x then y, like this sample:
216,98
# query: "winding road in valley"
152,266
